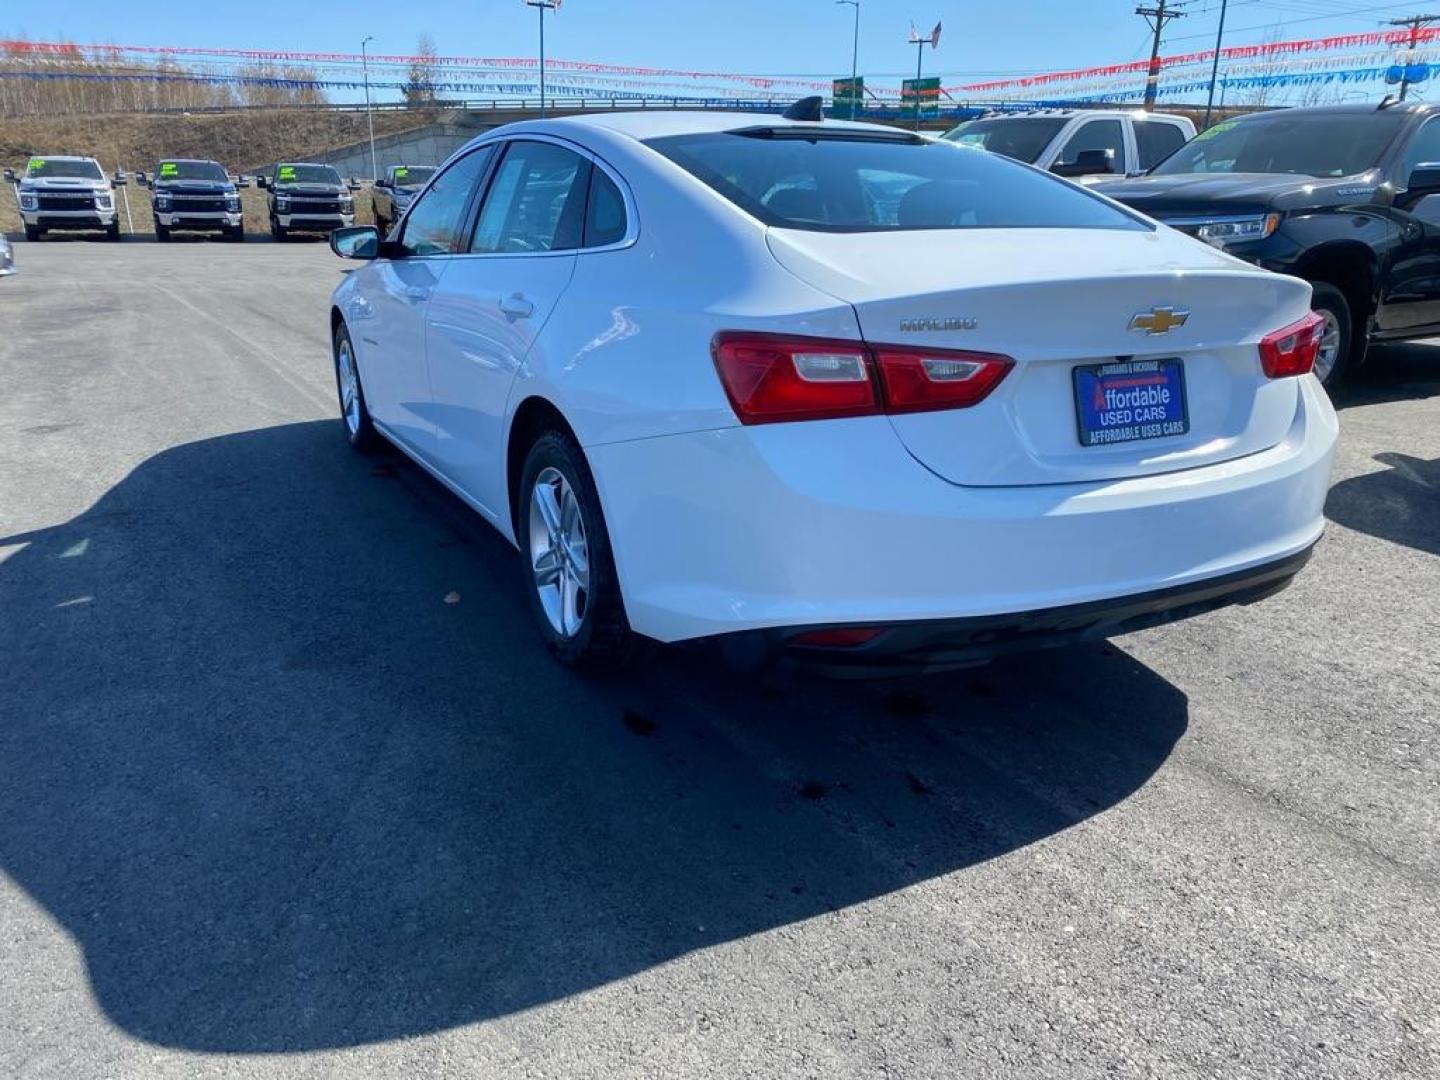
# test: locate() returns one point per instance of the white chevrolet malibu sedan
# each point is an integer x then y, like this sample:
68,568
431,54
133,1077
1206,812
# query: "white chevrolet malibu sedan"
833,390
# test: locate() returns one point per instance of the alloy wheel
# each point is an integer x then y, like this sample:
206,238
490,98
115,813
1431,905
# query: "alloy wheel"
349,387
559,552
1330,345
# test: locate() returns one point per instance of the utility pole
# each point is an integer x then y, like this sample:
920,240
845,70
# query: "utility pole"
369,116
1157,17
1215,65
543,6
854,54
1414,22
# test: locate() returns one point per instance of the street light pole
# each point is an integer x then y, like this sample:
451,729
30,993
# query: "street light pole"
854,56
543,6
369,116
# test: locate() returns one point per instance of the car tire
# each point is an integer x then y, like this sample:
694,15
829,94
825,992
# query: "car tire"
112,233
381,226
575,598
235,236
162,233
278,232
354,412
33,232
1338,343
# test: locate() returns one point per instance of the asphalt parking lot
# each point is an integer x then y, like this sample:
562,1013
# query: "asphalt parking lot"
269,806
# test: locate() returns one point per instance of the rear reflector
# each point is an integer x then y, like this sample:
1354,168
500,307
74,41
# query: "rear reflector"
771,378
1292,349
844,637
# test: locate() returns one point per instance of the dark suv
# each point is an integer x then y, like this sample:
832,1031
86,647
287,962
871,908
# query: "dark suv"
191,194
1345,196
396,190
307,198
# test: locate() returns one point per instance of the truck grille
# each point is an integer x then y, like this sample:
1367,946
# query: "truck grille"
198,204
314,206
82,200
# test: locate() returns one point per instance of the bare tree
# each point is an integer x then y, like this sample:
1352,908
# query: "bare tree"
419,87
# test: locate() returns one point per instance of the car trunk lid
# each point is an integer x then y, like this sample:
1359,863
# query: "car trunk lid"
1054,300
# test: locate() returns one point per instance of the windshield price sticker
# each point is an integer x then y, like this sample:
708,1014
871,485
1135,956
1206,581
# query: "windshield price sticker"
1211,132
169,168
287,174
36,164
401,173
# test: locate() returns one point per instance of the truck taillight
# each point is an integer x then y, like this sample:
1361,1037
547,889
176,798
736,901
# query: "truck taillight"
771,378
1292,349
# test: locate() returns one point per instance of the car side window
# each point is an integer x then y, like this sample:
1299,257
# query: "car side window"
535,203
1424,148
436,223
605,220
1096,135
1156,140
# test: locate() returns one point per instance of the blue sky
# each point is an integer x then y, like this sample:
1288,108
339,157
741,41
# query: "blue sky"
753,36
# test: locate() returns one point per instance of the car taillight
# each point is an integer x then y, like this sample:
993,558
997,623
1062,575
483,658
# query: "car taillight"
1292,349
771,378
919,381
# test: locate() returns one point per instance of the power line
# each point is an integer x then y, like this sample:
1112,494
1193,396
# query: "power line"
1308,18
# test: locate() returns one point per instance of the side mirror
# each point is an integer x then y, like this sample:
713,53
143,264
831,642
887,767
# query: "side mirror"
118,180
356,242
353,185
1424,180
10,176
262,182
382,183
242,181
1087,163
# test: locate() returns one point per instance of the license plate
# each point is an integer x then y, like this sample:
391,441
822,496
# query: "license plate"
1130,400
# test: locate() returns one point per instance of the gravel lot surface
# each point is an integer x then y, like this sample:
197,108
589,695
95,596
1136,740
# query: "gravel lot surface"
269,806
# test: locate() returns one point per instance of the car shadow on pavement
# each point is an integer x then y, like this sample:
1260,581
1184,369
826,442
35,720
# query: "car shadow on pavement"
1400,371
1399,503
286,797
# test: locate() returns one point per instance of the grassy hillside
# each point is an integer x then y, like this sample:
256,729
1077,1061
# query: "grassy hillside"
239,141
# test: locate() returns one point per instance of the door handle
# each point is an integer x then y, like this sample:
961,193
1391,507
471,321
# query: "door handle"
516,306
418,293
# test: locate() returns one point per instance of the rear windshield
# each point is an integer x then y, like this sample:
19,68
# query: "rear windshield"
190,170
413,175
47,167
1307,144
1018,137
306,174
839,184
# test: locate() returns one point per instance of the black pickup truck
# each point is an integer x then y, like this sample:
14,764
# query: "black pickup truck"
1345,196
305,197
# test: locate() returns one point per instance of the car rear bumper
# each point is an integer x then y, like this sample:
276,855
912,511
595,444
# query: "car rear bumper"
942,644
806,525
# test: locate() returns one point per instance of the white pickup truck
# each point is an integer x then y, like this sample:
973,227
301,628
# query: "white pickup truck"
67,193
1080,142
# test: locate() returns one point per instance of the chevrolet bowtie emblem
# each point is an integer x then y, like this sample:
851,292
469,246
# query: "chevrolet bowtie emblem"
1160,320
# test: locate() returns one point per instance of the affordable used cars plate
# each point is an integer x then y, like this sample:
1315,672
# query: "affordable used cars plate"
1129,400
